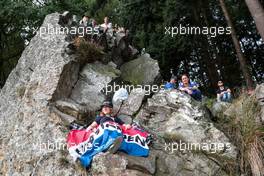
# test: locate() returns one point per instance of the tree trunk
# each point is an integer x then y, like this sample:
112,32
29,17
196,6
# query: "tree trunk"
206,56
240,56
257,13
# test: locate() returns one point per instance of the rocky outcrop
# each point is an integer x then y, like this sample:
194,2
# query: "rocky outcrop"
29,130
173,116
141,71
50,86
133,103
93,79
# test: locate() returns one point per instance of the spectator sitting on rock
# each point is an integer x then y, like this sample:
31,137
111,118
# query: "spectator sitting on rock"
85,21
106,25
190,88
171,85
105,116
93,23
223,92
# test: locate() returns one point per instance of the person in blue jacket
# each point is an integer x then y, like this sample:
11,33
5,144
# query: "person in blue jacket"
171,85
190,87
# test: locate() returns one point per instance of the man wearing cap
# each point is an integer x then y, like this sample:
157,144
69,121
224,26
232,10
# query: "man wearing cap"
106,116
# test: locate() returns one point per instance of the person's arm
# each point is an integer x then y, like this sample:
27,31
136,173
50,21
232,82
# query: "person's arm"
194,86
119,121
92,126
181,88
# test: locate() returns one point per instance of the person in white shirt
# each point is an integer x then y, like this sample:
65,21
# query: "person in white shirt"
106,25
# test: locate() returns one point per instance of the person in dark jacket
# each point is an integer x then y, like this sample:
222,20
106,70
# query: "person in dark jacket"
106,116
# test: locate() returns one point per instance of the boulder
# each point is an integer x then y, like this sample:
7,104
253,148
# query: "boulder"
141,71
218,108
70,107
133,103
143,164
125,118
188,164
71,111
108,164
93,79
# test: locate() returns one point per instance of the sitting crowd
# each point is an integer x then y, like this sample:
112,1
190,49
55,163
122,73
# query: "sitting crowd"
87,21
187,86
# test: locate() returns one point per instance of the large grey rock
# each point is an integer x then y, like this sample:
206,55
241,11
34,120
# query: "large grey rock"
141,71
143,164
125,118
109,165
133,103
188,164
93,79
235,109
173,116
44,73
71,108
218,108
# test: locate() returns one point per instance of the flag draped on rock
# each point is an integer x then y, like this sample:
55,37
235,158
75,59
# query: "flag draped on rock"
84,144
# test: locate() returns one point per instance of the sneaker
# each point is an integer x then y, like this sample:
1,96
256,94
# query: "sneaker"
116,145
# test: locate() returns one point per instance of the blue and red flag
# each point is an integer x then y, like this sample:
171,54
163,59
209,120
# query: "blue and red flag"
84,144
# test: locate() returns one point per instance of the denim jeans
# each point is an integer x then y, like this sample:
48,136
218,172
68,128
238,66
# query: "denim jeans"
226,97
197,95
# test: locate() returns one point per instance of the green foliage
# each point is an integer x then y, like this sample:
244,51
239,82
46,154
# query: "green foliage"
193,54
19,21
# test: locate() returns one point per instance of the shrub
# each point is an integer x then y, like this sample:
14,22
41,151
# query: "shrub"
248,135
88,51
